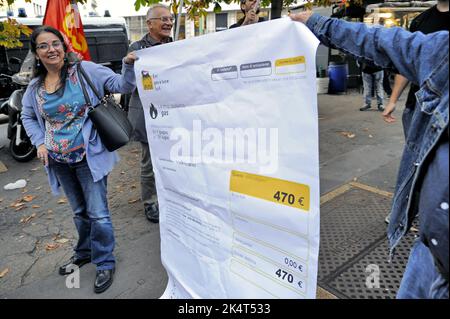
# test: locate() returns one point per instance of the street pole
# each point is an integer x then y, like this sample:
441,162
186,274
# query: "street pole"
177,31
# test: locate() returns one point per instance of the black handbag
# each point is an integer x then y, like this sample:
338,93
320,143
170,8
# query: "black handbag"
108,117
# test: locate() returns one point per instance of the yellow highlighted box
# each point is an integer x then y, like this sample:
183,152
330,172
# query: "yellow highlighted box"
290,61
290,65
272,189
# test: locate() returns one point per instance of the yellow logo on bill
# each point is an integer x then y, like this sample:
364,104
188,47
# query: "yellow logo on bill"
147,81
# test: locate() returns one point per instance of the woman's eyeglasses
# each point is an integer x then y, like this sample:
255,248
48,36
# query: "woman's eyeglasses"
164,19
45,46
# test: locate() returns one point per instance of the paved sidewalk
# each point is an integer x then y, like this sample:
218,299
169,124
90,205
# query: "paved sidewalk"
35,240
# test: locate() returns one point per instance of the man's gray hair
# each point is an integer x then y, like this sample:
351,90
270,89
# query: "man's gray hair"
152,8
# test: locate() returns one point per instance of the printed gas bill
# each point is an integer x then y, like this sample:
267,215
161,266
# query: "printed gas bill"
232,124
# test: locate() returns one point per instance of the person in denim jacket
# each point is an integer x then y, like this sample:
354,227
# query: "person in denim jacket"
423,179
55,117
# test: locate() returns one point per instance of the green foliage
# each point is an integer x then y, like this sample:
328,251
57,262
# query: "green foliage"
144,3
10,31
4,3
217,7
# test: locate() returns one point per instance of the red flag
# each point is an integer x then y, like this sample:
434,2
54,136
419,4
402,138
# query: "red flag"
65,16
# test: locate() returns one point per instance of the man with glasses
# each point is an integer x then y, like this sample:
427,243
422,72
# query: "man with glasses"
159,23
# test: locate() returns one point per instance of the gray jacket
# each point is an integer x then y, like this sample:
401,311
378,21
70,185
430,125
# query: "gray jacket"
136,111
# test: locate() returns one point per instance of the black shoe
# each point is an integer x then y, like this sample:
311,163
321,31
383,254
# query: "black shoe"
365,108
380,107
73,261
103,280
152,213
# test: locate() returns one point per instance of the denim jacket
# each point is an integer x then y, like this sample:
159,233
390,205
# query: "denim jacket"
99,159
423,59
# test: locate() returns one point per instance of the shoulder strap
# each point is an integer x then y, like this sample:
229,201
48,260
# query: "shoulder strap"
82,74
83,87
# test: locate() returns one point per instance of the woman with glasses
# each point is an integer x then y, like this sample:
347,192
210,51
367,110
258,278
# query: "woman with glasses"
55,117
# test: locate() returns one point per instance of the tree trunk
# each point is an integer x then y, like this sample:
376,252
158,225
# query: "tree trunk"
275,11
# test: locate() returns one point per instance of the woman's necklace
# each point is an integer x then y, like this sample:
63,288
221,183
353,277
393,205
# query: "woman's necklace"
51,87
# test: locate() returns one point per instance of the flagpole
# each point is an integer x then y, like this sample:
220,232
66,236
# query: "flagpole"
177,31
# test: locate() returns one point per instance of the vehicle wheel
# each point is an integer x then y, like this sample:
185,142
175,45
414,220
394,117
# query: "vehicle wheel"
23,152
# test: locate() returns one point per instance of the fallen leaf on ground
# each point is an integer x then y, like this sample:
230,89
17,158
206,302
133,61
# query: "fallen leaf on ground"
370,135
366,129
49,211
62,201
25,220
62,241
24,190
35,206
20,208
34,169
38,188
49,247
28,198
122,172
4,272
347,134
17,203
131,201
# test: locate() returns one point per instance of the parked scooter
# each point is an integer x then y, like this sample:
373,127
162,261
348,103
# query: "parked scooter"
20,144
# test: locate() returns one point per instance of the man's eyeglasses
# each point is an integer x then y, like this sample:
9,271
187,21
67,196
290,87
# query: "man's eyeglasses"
164,19
45,46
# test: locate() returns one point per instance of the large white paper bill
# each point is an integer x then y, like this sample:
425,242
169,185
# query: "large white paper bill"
232,124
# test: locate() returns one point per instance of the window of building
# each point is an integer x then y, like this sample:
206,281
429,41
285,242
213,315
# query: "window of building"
221,21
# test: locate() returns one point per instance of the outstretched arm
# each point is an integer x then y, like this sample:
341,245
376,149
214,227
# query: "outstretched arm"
400,83
394,48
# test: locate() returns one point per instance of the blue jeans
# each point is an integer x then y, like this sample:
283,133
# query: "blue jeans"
369,81
91,214
421,279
